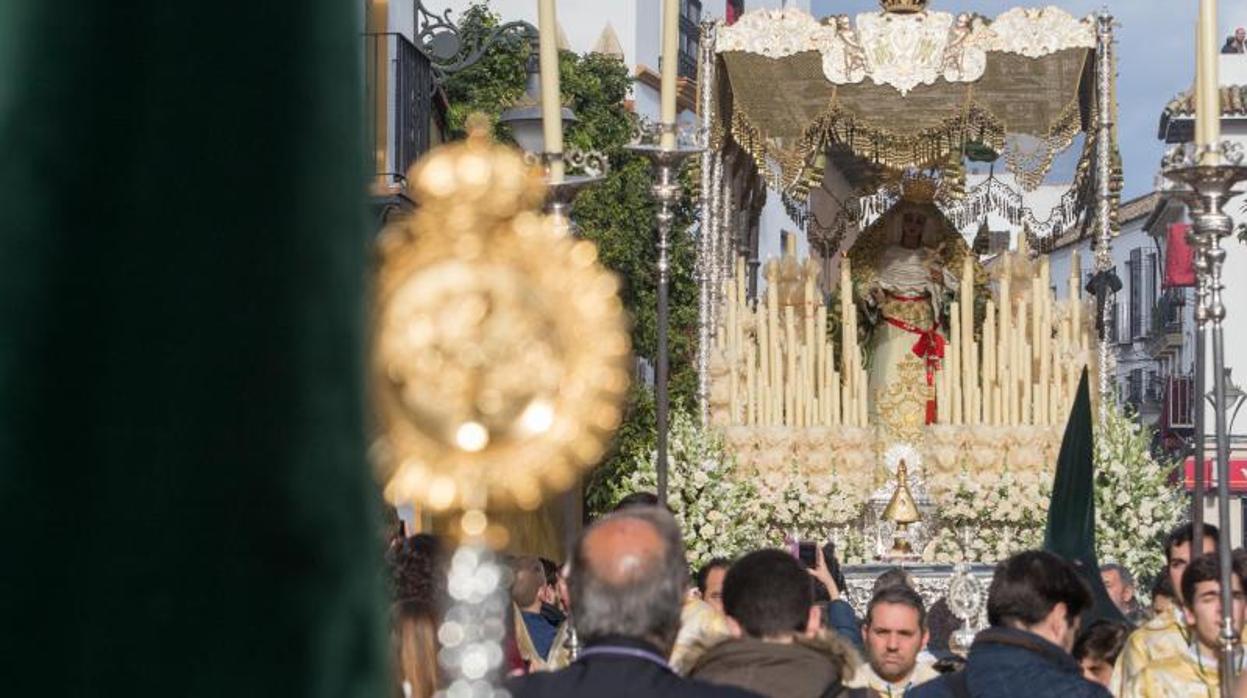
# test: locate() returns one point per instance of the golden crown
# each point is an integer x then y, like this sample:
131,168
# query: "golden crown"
903,6
918,189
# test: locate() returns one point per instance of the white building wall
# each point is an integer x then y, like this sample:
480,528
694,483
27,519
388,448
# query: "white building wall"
1131,354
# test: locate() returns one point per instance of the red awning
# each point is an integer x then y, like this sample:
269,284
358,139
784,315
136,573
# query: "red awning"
1238,473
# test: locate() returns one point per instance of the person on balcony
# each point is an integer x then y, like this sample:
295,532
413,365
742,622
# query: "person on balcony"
1236,43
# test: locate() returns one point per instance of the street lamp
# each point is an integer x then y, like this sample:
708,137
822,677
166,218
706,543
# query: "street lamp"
524,118
1234,398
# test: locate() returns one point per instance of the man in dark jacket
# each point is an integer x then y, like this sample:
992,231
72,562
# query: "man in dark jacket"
778,649
627,582
1033,605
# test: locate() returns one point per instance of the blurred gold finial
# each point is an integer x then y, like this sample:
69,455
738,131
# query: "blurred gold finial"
500,347
478,126
476,177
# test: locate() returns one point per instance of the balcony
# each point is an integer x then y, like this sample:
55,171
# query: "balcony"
398,84
1166,331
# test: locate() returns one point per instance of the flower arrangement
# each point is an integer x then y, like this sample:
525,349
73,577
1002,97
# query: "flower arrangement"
725,509
719,512
820,508
1135,504
1006,512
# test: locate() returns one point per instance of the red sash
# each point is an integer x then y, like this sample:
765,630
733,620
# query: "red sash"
930,347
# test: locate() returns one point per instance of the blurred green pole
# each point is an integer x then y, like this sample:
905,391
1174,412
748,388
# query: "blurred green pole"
184,499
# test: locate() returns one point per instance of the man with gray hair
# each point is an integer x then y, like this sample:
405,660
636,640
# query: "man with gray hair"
627,582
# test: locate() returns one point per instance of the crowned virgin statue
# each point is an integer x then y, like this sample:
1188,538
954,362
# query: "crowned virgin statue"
903,282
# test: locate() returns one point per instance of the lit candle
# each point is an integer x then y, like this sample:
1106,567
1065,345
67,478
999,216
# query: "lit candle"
954,361
551,108
670,60
791,380
1208,91
764,360
989,362
1005,333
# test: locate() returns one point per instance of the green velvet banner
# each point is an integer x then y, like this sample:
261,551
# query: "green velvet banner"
1071,513
184,497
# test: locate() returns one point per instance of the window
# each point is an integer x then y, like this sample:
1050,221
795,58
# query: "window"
1134,387
1135,273
1149,290
690,33
1155,392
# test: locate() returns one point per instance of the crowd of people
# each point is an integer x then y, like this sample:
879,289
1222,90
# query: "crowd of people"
627,617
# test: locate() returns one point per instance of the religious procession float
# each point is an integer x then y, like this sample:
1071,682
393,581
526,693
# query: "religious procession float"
901,386
900,392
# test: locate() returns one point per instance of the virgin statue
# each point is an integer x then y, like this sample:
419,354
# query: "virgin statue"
903,282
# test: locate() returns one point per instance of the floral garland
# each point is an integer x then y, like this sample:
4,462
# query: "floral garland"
819,508
1005,512
725,511
719,512
1135,504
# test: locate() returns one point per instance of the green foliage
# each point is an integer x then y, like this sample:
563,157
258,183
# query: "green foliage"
636,435
490,85
720,513
617,214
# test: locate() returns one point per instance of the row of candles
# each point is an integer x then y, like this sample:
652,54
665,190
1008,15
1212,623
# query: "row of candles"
551,107
1023,367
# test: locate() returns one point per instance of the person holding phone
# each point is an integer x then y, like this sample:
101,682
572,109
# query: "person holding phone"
838,613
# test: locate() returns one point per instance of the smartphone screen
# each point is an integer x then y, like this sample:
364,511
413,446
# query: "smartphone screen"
807,555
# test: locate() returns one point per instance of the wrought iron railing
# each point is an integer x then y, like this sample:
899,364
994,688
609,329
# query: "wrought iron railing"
399,86
1180,397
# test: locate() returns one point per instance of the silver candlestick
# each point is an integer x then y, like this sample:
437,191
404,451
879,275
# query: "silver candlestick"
564,192
666,163
1210,188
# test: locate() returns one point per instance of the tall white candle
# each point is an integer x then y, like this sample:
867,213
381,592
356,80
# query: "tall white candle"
551,105
670,61
1208,92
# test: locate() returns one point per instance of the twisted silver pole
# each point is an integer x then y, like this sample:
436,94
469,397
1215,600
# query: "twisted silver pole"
1199,490
1104,174
709,222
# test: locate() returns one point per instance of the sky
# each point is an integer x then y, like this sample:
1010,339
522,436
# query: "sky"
1155,55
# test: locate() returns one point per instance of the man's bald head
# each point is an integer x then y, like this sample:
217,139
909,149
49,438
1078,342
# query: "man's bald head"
623,550
628,576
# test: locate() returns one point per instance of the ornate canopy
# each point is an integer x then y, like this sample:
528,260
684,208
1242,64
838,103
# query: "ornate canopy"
905,90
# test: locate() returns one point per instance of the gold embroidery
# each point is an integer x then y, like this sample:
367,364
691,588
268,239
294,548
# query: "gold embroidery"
916,313
902,404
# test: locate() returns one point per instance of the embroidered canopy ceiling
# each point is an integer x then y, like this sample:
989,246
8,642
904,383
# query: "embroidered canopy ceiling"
904,91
